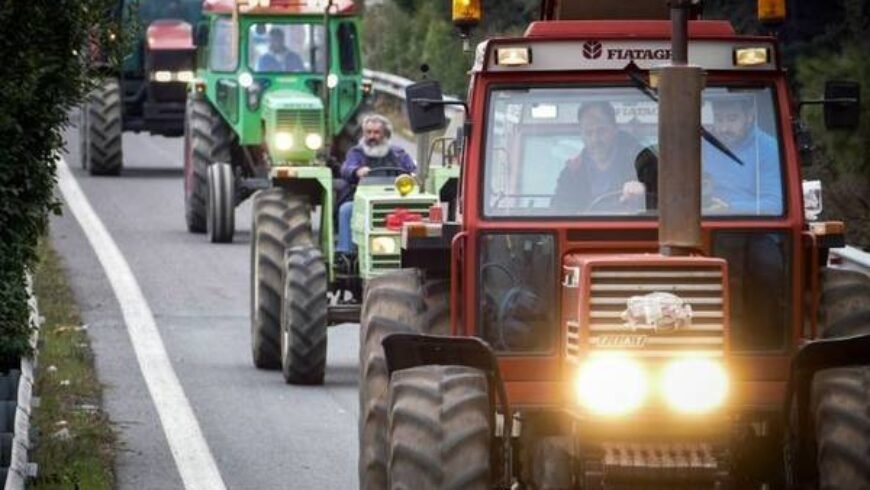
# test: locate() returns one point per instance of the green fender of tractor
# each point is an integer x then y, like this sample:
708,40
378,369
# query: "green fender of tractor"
439,177
315,182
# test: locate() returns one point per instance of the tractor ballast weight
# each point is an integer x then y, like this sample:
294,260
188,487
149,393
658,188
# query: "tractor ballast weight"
147,92
676,342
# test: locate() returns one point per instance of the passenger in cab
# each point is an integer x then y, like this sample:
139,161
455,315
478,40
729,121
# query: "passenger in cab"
753,185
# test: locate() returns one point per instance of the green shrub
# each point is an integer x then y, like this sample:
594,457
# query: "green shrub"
42,76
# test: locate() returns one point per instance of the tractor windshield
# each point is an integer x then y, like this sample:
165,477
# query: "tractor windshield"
593,151
286,48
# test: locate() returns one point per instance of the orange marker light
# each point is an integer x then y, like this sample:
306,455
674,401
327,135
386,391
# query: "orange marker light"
771,11
467,12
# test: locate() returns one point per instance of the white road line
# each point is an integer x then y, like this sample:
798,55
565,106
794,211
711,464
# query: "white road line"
189,448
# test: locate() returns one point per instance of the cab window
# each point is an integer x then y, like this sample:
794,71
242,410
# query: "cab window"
222,54
286,48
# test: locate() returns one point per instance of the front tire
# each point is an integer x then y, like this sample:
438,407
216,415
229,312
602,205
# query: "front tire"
102,130
841,397
207,139
303,322
399,301
440,429
220,215
280,221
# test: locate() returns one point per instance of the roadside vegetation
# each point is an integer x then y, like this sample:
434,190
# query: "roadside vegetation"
76,443
44,73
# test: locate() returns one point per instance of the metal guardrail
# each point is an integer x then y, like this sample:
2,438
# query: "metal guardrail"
19,469
853,258
394,85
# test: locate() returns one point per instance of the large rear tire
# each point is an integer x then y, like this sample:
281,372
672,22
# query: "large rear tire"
102,130
280,221
220,215
440,429
207,139
303,322
841,397
399,301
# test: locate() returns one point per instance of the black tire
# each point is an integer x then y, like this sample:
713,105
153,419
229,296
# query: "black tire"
440,429
551,463
220,214
102,130
841,397
280,221
303,318
399,301
207,139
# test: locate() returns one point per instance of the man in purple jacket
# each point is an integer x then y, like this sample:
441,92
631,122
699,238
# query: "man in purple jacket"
373,151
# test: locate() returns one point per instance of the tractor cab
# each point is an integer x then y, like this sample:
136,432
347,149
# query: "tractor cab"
286,75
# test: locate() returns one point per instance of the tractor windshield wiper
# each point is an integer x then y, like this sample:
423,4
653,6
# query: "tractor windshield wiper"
640,84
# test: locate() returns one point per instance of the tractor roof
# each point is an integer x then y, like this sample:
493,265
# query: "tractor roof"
277,7
642,29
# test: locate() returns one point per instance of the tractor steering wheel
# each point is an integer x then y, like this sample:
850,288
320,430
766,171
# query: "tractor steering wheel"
396,171
606,197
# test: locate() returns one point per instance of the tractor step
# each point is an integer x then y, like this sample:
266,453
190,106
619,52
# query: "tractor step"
338,314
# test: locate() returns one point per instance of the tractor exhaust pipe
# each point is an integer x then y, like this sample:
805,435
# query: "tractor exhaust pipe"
679,175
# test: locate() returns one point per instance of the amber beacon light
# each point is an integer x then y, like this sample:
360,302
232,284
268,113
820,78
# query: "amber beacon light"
771,11
467,13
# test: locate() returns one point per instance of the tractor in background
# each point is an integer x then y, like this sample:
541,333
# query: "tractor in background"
148,92
570,337
271,113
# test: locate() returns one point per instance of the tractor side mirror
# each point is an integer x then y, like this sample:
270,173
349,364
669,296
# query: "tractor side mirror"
842,104
200,37
425,106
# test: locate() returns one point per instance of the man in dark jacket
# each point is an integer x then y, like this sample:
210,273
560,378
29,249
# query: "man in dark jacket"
605,167
373,151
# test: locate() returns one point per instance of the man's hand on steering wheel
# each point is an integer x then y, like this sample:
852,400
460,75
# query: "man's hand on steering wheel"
366,171
631,191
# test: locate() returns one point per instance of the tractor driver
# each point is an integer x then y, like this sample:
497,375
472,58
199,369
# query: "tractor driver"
373,151
603,169
279,58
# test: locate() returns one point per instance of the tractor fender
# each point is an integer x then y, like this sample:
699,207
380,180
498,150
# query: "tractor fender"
812,357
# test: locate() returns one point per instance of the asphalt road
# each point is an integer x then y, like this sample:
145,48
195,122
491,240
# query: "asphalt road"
262,433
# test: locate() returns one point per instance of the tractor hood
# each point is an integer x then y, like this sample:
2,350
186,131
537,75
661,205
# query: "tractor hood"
275,100
294,125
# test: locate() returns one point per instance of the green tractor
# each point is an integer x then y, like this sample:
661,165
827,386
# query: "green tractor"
271,114
147,92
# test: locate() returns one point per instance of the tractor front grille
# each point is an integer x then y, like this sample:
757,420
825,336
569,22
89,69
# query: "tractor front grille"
612,287
303,120
382,209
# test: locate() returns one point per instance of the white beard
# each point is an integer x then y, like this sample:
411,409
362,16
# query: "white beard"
376,151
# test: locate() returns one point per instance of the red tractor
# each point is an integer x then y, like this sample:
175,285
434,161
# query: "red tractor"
148,90
631,295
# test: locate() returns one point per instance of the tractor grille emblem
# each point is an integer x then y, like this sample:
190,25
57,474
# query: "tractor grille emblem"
592,50
659,312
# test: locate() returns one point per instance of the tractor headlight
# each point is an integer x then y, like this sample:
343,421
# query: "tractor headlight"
385,245
694,385
185,76
162,76
404,184
313,141
612,385
245,79
283,141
